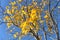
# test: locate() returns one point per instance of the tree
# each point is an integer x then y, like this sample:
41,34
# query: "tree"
30,18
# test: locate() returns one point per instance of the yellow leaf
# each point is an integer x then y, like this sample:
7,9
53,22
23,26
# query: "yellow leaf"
8,25
17,18
12,10
23,12
29,20
24,24
46,16
8,11
41,21
19,0
25,31
33,11
14,35
34,3
13,3
6,18
33,16
7,7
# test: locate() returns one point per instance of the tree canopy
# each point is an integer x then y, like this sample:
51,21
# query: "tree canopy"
30,18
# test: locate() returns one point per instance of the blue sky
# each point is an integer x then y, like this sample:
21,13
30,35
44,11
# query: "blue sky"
4,35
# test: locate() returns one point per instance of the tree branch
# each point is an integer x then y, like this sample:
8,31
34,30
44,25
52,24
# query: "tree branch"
34,34
51,15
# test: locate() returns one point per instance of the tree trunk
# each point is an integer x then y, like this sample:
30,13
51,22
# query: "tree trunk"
35,35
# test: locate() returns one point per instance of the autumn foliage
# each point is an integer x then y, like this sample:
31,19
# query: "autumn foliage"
27,18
